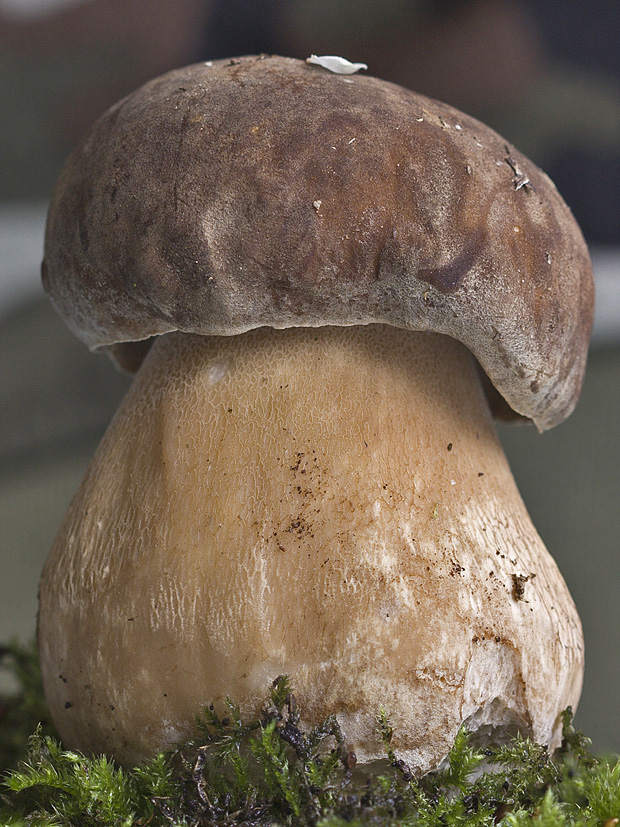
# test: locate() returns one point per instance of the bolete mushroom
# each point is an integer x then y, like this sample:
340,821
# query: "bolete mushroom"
304,477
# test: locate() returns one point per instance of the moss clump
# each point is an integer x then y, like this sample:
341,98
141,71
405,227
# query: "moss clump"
273,772
22,709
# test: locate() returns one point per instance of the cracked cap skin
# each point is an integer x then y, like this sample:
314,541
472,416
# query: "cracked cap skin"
262,191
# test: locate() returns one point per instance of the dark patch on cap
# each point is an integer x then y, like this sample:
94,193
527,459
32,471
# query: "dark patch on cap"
451,275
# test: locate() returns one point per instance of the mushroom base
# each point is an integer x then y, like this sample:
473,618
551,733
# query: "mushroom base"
332,504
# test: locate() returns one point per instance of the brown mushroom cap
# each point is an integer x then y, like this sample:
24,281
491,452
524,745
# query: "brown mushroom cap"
259,191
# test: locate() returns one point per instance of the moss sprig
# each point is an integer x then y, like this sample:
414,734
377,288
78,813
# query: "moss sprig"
22,709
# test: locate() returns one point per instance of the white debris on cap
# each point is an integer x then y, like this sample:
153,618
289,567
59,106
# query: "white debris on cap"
336,64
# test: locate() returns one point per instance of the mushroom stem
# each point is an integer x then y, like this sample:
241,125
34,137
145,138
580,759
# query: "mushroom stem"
329,503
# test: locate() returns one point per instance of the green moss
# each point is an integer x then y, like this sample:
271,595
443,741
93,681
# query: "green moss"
271,771
24,708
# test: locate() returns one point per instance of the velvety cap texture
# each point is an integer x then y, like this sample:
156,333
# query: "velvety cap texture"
263,191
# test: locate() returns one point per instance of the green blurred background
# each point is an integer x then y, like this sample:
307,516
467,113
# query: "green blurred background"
545,75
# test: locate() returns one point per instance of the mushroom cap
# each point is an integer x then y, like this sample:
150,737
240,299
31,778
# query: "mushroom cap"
263,191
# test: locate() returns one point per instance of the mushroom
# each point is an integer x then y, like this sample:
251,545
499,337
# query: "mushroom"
308,272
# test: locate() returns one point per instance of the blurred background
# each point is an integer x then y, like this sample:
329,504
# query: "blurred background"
545,75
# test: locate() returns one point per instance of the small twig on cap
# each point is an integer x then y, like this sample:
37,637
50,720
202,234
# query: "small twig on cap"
520,179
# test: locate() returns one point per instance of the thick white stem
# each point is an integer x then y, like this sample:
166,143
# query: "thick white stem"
328,503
